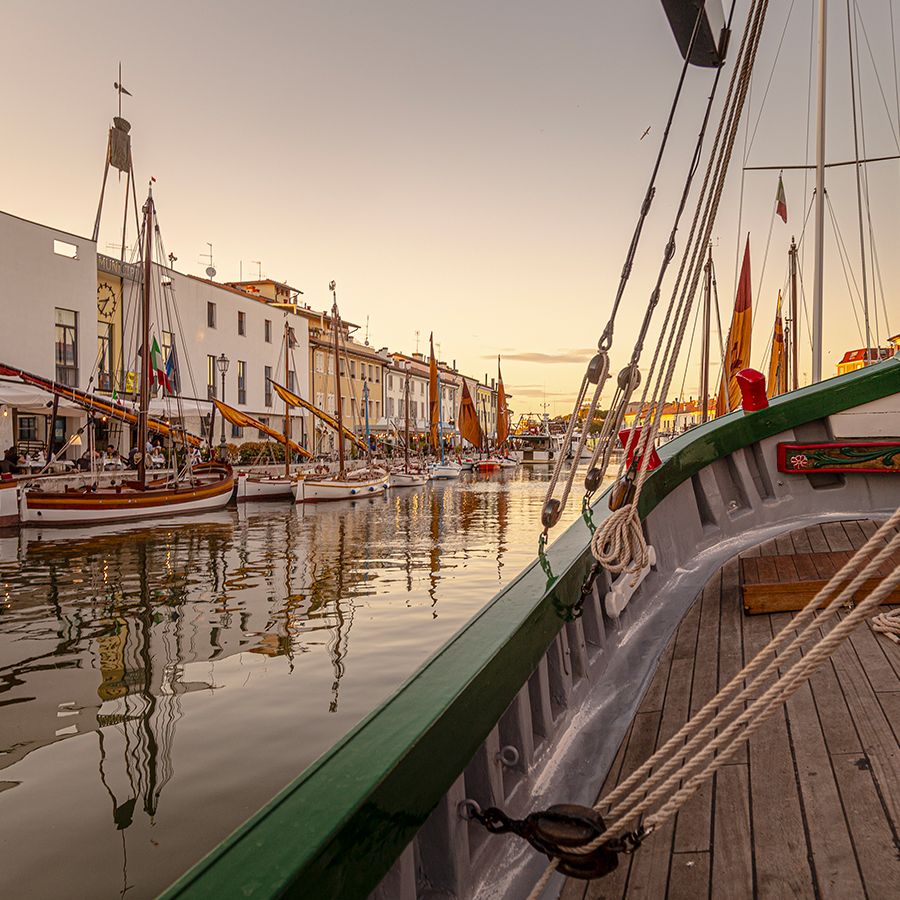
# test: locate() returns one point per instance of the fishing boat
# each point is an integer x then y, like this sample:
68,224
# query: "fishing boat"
201,487
264,486
343,485
688,693
407,476
9,502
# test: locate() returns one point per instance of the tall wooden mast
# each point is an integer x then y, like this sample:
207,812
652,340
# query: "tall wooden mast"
406,430
707,327
795,320
335,325
146,361
287,409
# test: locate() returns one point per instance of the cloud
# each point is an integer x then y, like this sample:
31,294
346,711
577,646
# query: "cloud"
562,356
518,390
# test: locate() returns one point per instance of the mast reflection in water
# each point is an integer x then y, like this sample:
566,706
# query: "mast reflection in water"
159,684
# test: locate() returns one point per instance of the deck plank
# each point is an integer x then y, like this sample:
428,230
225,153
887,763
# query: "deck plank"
812,807
779,844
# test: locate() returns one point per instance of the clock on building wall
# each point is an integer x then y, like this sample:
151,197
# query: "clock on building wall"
107,301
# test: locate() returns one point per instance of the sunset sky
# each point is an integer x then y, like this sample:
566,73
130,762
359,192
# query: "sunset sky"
471,168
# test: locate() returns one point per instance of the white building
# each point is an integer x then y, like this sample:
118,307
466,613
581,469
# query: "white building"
68,315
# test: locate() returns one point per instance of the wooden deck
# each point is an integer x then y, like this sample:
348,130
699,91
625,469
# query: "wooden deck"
811,808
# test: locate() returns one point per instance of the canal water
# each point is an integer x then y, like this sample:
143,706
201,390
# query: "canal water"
159,683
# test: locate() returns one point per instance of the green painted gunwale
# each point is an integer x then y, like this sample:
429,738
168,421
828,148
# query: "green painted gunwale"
340,825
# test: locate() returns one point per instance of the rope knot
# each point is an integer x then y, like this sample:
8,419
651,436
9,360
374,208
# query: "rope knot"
619,544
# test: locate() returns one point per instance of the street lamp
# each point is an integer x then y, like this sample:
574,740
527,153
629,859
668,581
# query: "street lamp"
222,365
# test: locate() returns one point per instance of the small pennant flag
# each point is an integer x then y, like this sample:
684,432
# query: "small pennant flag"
780,202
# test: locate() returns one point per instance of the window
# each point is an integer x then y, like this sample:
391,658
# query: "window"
268,331
242,381
268,387
331,405
104,355
343,372
331,365
263,420
371,373
242,323
67,347
353,368
210,315
378,374
292,338
27,428
390,381
320,361
64,248
320,399
390,407
237,431
211,377
292,382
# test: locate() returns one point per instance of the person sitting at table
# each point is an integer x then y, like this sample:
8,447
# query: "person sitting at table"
11,457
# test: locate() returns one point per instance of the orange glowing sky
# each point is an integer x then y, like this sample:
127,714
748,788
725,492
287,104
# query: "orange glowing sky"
472,169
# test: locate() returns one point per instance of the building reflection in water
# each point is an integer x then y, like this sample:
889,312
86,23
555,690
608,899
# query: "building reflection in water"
110,633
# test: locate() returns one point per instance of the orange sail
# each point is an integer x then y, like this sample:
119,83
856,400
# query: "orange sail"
434,412
737,349
293,399
469,427
777,381
242,420
502,410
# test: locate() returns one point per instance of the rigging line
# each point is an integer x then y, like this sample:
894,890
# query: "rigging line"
890,118
687,359
769,82
859,200
844,265
894,56
832,165
762,271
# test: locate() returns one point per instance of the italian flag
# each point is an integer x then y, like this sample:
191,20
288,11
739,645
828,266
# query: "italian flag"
780,202
157,370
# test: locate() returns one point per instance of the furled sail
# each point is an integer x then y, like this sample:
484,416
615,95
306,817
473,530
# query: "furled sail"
242,420
434,406
99,405
737,350
469,427
502,410
293,399
777,381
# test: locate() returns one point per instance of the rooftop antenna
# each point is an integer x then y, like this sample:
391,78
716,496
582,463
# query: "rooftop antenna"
417,341
367,331
210,269
258,265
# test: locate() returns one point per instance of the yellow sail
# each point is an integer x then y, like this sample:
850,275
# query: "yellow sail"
242,420
293,399
777,381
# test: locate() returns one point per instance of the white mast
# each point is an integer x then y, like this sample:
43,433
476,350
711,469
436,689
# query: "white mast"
818,280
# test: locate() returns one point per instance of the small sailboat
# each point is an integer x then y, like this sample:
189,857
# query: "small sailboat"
263,486
201,487
407,477
343,485
444,468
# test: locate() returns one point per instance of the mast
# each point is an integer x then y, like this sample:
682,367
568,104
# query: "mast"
335,324
144,399
819,273
287,409
440,423
795,322
704,350
406,426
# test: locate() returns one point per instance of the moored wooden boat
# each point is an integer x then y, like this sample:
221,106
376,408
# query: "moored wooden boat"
264,487
9,502
313,490
446,469
209,488
408,479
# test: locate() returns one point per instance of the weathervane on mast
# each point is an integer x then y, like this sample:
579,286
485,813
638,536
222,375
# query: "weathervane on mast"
121,89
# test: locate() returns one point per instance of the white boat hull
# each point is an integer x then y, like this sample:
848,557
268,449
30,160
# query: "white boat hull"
9,504
444,470
262,487
408,479
313,491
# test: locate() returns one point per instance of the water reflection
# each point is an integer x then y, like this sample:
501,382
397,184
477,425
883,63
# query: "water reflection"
256,637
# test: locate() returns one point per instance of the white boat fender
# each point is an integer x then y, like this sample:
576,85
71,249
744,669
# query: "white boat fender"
625,585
